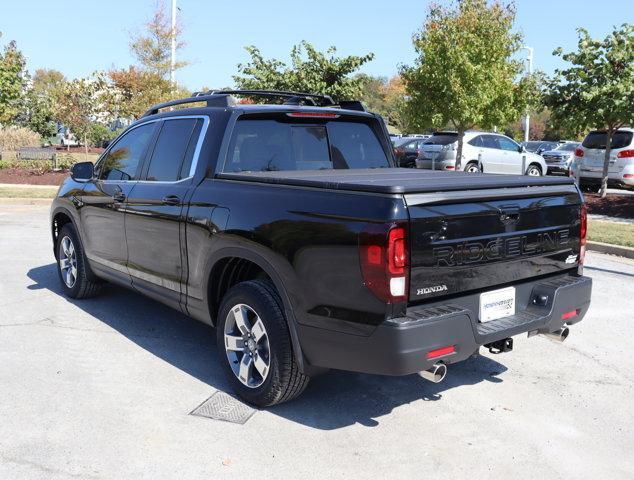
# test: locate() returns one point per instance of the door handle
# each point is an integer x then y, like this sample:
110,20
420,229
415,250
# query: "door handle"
118,196
171,200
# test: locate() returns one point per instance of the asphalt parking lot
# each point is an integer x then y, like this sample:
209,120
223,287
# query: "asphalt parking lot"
103,388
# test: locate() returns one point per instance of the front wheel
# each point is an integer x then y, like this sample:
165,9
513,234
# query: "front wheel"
534,171
72,265
255,346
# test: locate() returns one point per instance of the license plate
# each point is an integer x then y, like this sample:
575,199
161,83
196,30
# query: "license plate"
497,304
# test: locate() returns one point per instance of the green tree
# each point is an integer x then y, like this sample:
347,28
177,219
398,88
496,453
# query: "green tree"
387,98
152,46
310,71
36,111
139,89
82,102
465,74
12,81
597,90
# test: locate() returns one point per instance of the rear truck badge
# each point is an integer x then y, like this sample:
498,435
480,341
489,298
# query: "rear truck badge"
434,289
500,248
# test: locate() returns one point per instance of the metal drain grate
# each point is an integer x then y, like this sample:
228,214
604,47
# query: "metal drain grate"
221,406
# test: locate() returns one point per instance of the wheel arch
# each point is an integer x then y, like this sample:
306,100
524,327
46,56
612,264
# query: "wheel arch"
60,217
233,264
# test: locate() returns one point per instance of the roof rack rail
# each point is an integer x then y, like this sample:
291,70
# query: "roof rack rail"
215,100
223,98
326,100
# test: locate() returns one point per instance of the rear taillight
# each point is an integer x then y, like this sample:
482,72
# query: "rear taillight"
578,152
625,154
384,262
583,233
450,167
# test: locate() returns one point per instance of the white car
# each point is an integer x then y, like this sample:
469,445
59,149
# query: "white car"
589,157
481,152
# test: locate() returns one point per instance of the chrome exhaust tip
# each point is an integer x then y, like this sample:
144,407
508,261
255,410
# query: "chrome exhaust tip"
558,335
436,373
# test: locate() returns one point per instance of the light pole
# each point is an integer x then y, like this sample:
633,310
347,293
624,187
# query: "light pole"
173,59
530,72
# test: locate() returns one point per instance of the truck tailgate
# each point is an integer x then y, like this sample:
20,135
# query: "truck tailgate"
465,242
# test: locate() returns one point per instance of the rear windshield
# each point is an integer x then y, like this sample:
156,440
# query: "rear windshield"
567,147
599,140
272,145
444,138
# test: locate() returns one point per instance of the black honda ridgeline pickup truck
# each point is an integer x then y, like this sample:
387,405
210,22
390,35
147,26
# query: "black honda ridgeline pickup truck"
288,228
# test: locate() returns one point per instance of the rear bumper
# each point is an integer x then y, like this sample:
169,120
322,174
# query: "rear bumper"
399,346
558,168
614,178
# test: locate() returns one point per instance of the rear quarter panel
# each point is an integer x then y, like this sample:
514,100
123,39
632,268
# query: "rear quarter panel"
307,239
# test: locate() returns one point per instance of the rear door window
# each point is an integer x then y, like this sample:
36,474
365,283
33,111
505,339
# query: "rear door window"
171,148
598,140
490,141
272,145
442,138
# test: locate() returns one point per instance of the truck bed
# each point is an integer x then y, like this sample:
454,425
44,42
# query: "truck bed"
395,180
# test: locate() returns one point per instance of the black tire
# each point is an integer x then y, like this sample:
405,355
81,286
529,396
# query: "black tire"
590,187
472,167
283,380
85,284
534,167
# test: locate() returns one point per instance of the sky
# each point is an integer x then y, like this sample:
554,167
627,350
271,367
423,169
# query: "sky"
78,37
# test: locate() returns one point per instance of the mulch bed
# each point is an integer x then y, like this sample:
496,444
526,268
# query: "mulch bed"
621,206
76,149
31,177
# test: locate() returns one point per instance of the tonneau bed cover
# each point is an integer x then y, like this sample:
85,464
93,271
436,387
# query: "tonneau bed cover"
395,180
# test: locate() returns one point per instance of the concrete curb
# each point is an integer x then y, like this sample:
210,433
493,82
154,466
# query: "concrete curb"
611,249
26,185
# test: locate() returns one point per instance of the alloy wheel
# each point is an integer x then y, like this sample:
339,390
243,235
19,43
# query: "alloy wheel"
247,345
68,261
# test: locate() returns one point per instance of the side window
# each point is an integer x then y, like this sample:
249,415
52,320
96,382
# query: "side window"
172,146
476,141
508,144
490,141
123,159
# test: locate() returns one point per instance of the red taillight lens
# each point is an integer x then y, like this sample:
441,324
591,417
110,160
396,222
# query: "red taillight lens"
396,251
583,233
450,167
384,261
578,152
570,314
628,175
625,154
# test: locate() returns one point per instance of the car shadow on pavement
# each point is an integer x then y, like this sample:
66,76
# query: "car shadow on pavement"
333,400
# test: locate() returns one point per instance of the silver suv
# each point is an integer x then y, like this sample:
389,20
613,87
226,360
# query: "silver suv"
481,152
588,163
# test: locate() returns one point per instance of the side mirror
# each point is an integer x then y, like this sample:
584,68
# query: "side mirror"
522,149
82,171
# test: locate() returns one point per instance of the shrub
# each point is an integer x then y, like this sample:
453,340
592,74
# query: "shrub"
13,138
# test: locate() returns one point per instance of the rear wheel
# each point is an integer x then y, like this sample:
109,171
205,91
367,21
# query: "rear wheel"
255,346
534,170
72,265
472,167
